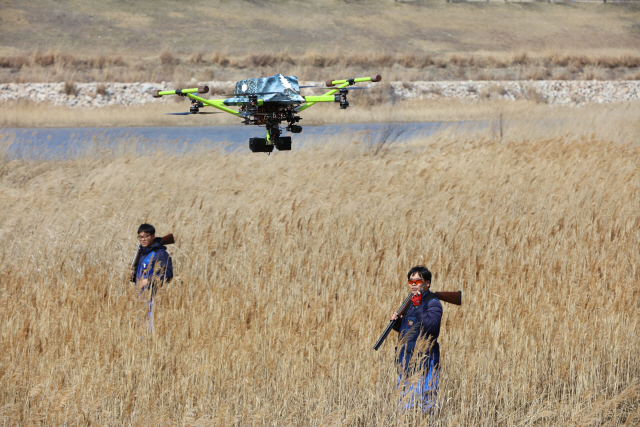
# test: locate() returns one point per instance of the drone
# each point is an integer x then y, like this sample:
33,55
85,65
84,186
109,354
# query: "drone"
268,102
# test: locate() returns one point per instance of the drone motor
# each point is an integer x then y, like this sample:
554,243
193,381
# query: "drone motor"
341,97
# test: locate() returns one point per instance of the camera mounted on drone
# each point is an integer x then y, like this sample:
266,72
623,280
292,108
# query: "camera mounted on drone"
269,102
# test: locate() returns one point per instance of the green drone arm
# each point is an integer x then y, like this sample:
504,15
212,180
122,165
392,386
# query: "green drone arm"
199,89
321,98
374,79
215,103
339,84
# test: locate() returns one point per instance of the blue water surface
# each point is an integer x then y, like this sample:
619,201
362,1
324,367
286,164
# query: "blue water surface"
60,143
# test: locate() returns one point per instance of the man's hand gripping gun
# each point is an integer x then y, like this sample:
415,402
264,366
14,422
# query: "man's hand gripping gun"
166,240
450,297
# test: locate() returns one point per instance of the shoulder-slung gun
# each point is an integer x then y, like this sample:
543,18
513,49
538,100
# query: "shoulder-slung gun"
166,240
450,297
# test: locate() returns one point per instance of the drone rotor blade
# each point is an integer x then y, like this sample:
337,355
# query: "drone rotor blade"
335,88
244,95
188,114
254,114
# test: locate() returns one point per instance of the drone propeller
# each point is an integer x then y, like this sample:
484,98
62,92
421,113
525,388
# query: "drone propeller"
335,88
247,114
188,114
244,95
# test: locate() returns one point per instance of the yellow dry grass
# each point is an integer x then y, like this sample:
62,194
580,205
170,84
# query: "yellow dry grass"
288,267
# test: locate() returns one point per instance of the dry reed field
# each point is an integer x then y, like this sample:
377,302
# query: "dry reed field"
288,267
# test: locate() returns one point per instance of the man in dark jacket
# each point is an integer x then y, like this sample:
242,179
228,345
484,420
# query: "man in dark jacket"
419,326
155,266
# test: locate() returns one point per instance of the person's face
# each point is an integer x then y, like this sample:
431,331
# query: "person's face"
146,239
416,283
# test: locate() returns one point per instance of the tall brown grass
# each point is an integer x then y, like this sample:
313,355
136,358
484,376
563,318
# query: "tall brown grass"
312,65
288,267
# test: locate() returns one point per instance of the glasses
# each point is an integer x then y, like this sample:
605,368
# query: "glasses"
416,282
148,236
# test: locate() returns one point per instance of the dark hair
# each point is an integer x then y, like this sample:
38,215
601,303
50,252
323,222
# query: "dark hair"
422,271
146,228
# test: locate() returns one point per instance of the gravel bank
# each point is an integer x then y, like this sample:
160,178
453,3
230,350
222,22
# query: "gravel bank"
551,92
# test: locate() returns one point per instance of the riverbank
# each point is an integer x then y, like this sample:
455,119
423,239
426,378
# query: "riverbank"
97,95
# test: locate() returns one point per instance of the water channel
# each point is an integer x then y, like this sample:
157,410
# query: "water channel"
56,143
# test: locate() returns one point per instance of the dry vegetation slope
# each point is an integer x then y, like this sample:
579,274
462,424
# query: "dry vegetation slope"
288,267
238,26
46,40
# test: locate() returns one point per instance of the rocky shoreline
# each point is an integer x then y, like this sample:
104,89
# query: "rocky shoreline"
563,92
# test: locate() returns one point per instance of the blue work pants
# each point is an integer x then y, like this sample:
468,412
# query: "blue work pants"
420,390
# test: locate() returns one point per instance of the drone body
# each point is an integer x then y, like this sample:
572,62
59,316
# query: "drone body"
268,102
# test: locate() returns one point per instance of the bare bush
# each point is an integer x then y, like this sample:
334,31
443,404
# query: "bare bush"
521,59
220,59
592,73
167,58
101,89
70,88
197,58
44,59
14,61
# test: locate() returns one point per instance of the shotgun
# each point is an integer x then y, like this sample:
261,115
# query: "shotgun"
166,240
450,297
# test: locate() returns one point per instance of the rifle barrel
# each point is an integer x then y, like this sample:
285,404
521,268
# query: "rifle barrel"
384,335
403,308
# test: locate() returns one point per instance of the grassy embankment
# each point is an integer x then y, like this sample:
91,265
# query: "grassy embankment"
288,267
45,40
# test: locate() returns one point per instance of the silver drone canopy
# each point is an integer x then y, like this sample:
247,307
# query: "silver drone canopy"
275,89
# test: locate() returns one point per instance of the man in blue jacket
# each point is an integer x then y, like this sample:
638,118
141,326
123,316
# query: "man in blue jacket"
154,268
420,325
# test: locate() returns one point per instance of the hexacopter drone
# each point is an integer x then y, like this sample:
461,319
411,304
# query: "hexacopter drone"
268,102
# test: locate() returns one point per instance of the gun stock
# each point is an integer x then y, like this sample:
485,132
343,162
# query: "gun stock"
450,297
